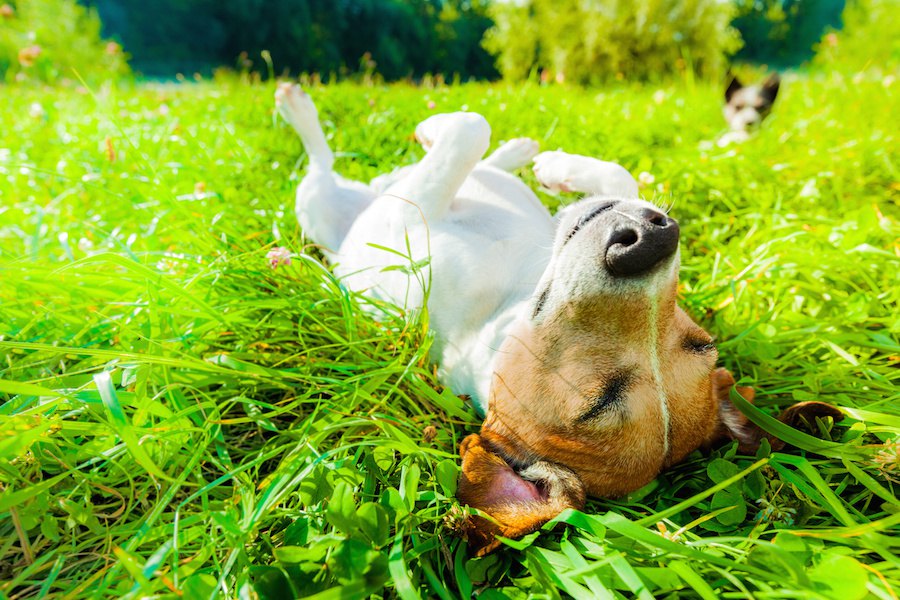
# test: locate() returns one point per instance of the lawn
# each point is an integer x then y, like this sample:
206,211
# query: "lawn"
178,419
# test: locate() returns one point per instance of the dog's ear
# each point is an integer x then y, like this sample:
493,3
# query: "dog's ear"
770,87
516,503
733,425
733,87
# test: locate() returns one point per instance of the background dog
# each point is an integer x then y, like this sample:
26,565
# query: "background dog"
746,106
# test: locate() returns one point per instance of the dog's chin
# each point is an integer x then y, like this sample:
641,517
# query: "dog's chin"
744,121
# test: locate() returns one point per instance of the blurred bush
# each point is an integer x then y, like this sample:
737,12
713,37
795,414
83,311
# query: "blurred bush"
868,41
592,41
783,33
52,40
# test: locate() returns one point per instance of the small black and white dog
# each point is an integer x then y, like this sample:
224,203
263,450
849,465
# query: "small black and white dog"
746,106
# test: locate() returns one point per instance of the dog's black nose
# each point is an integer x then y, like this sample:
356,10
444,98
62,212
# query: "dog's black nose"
640,242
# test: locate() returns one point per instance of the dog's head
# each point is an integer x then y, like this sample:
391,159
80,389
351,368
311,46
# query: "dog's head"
605,381
747,106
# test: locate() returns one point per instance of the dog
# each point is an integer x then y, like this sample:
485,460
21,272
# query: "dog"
746,106
564,331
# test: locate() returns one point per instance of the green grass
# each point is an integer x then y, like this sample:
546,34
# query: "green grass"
178,419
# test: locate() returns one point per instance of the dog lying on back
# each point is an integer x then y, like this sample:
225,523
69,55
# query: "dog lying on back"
746,106
564,330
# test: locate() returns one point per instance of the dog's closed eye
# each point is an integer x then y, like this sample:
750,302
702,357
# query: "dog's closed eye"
699,345
611,395
585,219
542,299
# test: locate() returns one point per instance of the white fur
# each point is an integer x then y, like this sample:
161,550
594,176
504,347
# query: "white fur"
481,238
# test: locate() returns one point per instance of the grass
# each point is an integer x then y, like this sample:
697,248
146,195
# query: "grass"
177,419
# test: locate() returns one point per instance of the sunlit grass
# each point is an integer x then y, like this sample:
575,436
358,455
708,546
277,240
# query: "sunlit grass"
176,417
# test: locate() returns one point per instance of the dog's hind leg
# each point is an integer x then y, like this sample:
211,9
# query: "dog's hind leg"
327,204
454,142
562,172
512,155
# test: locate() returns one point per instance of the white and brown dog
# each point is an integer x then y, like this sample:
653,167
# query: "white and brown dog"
564,330
746,106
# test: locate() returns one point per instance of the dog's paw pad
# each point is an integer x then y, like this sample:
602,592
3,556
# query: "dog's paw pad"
460,129
294,104
430,129
553,171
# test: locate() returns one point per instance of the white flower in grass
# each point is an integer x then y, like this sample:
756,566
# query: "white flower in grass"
36,111
646,179
659,96
279,255
85,245
167,265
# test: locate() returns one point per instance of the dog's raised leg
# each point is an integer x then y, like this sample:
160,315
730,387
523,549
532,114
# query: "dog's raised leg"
455,142
562,172
514,154
327,204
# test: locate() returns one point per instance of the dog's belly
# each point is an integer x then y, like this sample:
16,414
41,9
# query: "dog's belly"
482,260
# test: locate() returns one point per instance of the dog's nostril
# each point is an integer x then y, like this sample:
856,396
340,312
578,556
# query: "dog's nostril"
624,237
655,218
633,250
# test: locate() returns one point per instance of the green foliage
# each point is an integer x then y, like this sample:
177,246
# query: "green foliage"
864,42
783,33
592,42
177,418
399,38
53,40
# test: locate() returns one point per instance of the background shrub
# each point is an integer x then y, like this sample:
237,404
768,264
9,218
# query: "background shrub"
783,33
399,38
589,42
864,42
48,40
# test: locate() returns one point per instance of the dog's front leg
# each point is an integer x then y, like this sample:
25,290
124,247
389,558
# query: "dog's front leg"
562,172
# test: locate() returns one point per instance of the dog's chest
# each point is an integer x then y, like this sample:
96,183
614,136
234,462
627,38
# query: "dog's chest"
475,265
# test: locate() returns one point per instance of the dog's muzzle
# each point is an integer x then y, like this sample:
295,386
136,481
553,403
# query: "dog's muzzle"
639,241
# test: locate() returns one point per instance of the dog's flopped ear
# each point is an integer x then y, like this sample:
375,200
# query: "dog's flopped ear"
734,425
733,87
770,87
517,502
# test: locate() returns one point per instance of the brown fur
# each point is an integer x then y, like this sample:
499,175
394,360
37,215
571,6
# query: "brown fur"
482,465
545,380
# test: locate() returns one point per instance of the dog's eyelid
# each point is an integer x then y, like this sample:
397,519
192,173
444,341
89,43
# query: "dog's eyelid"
700,345
611,395
542,299
588,217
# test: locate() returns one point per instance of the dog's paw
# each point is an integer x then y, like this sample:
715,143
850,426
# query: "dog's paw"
514,154
464,128
732,137
556,171
428,130
294,104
